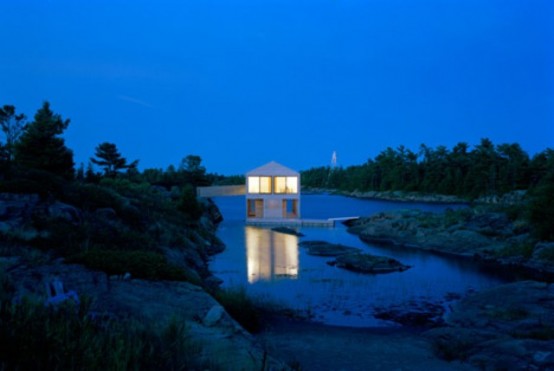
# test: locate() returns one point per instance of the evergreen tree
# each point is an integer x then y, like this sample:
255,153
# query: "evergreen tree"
111,160
12,126
194,172
41,147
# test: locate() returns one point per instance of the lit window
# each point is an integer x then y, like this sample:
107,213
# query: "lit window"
292,184
253,184
259,184
265,184
280,184
286,184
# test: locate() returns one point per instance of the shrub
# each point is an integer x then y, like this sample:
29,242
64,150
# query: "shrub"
241,307
523,249
36,337
40,182
90,197
140,264
188,204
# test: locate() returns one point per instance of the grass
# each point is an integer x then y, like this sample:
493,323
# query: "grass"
140,264
452,349
523,249
243,308
69,337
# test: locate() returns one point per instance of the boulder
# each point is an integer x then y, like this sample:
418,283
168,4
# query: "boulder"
322,248
213,316
423,314
60,210
366,263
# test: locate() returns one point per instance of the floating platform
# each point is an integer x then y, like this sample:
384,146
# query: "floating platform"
325,223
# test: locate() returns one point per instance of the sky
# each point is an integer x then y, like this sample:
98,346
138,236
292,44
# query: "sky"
244,82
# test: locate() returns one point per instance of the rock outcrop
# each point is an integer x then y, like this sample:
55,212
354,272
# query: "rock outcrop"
506,327
472,233
366,263
352,258
225,345
322,248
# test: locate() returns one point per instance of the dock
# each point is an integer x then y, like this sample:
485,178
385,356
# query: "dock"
323,223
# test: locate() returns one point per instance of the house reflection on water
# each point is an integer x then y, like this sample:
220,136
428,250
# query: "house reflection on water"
270,255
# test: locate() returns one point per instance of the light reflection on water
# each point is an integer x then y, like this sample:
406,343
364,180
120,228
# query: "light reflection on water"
270,255
271,265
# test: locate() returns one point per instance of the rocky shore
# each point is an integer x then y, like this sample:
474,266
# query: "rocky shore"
222,342
470,233
507,327
351,258
33,269
511,198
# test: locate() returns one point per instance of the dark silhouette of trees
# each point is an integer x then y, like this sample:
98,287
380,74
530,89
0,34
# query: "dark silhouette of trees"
12,126
40,146
108,156
193,171
485,170
541,208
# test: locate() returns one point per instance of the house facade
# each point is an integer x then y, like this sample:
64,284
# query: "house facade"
272,193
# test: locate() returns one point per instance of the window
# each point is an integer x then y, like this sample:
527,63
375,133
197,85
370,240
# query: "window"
259,184
280,184
253,184
265,184
286,184
292,184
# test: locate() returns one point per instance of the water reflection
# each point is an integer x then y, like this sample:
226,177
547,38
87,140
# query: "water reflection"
270,255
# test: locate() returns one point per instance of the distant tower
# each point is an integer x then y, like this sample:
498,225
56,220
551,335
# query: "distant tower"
332,169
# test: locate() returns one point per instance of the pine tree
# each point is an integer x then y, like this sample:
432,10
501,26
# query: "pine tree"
111,160
41,147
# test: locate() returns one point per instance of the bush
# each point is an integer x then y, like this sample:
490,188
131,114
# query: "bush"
35,337
90,197
241,307
188,204
43,183
523,249
140,264
541,211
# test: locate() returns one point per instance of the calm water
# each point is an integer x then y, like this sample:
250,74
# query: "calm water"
273,266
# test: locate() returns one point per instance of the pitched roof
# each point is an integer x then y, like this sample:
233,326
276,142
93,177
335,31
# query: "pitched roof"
271,169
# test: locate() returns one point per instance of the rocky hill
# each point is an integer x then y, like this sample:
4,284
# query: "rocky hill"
127,256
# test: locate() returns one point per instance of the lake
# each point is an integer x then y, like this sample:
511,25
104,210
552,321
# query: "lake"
272,266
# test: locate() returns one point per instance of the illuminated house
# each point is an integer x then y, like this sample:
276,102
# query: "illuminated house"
272,193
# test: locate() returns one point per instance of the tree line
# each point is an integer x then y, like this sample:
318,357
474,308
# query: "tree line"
484,170
34,158
39,145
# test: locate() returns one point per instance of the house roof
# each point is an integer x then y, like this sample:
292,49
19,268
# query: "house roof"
271,169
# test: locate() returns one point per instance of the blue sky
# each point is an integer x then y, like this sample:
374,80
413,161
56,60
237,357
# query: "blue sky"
244,82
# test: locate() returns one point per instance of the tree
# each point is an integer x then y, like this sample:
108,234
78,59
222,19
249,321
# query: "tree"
541,205
195,173
40,147
109,157
12,126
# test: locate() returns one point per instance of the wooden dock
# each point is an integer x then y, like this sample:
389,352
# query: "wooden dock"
320,223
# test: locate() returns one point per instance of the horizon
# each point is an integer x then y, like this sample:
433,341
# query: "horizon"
244,83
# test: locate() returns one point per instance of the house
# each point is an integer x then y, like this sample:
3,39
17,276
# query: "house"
272,193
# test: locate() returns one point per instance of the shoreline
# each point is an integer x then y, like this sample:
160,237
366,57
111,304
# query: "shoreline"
392,196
